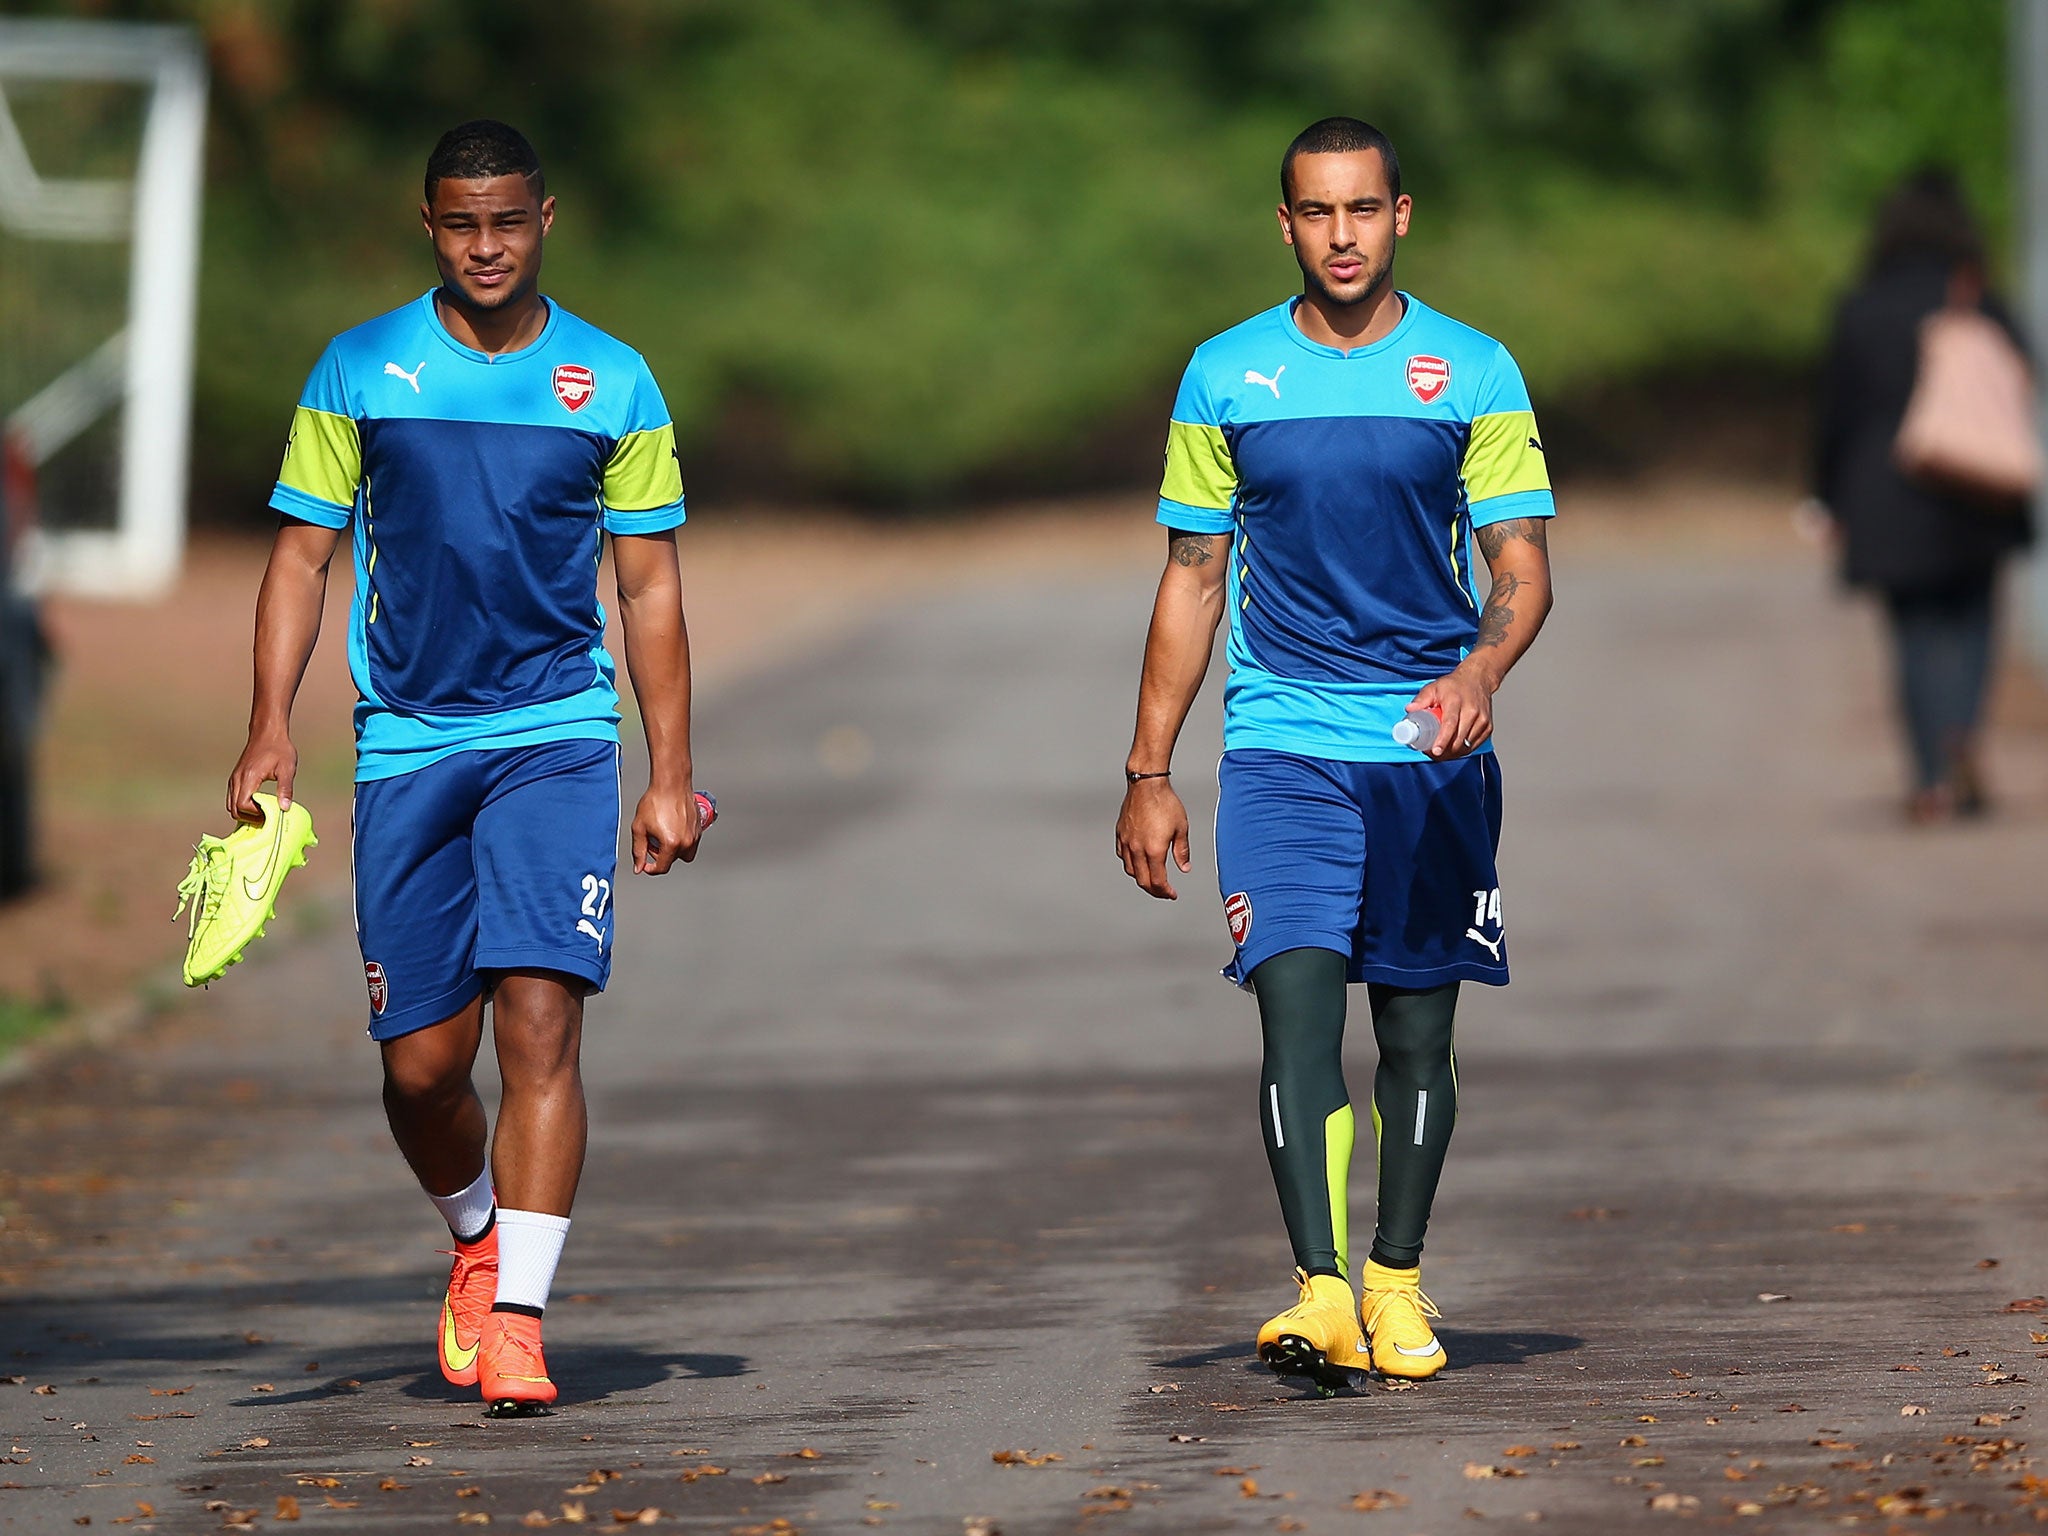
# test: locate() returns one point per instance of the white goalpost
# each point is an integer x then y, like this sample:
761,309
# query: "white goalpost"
141,367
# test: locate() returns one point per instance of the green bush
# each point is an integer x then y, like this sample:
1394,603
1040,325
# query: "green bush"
926,239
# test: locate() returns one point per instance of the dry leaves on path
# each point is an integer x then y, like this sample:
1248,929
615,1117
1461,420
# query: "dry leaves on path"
1024,1458
1378,1498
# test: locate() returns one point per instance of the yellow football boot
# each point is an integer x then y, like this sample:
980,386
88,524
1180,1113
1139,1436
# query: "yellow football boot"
1397,1315
233,883
1318,1336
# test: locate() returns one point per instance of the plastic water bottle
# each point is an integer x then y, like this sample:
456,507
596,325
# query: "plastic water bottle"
707,810
1418,729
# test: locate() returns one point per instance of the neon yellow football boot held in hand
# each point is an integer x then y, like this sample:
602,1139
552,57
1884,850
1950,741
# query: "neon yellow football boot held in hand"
233,883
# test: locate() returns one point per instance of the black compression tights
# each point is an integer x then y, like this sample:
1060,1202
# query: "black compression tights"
1306,1114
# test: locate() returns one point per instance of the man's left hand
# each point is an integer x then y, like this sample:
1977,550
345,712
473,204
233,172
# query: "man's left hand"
1464,702
666,826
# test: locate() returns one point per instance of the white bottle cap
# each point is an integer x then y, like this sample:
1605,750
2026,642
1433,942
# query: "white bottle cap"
1405,732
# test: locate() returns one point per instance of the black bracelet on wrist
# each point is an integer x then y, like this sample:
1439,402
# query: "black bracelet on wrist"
1132,778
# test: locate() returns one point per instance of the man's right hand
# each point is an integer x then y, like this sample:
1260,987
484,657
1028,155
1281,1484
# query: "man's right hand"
1151,830
269,755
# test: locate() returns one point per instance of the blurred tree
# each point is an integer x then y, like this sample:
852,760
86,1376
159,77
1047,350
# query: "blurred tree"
927,240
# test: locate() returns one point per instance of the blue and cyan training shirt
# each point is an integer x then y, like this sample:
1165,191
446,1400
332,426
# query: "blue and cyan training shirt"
478,487
1350,483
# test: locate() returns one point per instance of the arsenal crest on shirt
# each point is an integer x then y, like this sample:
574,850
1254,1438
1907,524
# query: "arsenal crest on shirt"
1237,911
1428,377
575,384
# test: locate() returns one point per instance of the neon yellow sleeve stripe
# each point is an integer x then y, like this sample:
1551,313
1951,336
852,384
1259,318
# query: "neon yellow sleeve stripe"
323,458
1504,456
643,473
1199,471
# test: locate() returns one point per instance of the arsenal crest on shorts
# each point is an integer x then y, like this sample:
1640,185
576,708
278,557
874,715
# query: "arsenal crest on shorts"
575,384
380,992
1427,376
1237,911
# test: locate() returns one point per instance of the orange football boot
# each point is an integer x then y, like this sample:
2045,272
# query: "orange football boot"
472,1287
510,1370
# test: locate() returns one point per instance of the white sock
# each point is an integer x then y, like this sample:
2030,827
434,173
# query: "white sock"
468,1210
529,1247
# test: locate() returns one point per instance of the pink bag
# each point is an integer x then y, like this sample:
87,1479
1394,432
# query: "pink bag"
1970,426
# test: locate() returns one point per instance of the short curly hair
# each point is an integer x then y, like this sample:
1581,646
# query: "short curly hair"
481,149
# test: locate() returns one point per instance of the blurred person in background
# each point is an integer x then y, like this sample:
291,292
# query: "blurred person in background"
24,669
1929,548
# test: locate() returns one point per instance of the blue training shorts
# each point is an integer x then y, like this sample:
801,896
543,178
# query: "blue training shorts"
1389,863
491,860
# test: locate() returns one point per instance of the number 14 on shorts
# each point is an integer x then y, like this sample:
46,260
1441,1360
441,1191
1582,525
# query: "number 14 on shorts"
1486,907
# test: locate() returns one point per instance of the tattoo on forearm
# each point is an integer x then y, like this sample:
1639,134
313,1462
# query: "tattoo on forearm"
1494,622
1494,537
1191,548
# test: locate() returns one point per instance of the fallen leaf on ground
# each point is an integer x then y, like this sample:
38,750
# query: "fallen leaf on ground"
1174,1386
46,1390
693,1473
1024,1458
1911,1410
2027,1304
1850,1226
806,1454
1478,1470
255,1442
474,1517
581,1488
1674,1503
1519,1450
1378,1498
1186,1439
419,1461
138,1461
469,1493
1772,1296
534,1517
161,1391
1107,1491
333,1503
287,1507
1249,1488
645,1516
765,1478
1633,1440
305,1480
881,1504
572,1514
392,1485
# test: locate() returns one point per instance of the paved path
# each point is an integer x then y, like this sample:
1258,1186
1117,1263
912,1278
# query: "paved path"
920,1137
